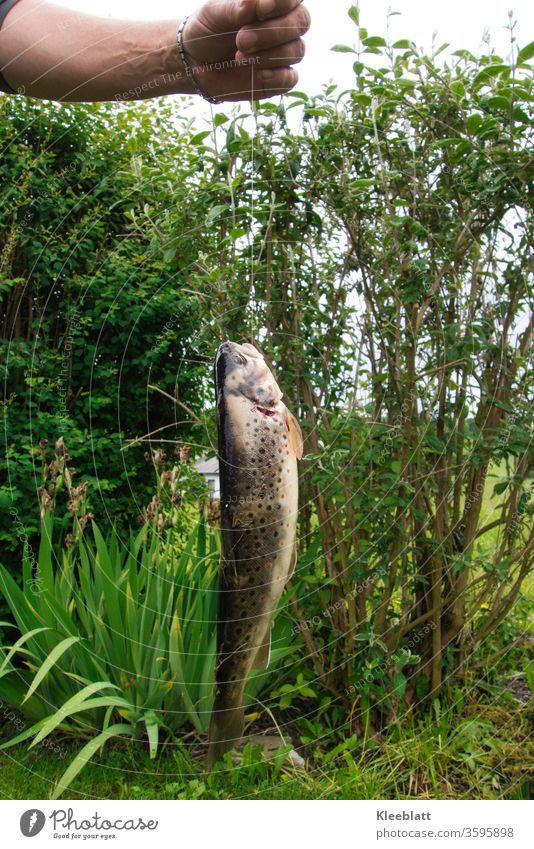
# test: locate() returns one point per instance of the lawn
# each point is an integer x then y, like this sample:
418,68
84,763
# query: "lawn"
480,749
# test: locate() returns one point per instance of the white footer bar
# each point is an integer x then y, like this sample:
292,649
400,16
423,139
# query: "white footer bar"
269,825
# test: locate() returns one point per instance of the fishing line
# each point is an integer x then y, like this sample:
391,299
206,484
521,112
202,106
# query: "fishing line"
252,190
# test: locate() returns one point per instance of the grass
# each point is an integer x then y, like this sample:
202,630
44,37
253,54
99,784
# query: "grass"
479,749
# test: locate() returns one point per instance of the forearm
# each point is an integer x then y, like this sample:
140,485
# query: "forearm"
50,52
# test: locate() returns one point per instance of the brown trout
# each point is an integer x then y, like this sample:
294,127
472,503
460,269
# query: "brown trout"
259,443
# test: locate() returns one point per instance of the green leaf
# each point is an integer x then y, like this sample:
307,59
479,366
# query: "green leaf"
474,121
499,102
488,72
86,754
107,566
354,13
46,571
169,254
458,88
526,52
435,444
374,41
464,54
342,48
25,616
68,710
152,730
363,183
28,732
220,118
503,405
215,212
20,642
399,684
52,659
198,138
402,44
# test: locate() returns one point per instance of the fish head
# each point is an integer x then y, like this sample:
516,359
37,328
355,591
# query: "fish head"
242,370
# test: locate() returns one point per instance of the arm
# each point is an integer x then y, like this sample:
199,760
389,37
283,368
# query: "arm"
56,53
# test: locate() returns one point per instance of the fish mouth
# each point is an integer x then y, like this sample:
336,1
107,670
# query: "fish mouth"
267,411
242,370
232,353
226,352
227,348
227,355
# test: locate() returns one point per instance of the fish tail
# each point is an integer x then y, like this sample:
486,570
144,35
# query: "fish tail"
226,730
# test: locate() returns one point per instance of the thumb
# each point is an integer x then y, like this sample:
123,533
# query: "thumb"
224,15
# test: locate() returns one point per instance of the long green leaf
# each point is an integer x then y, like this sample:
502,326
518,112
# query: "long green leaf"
57,614
28,732
20,642
85,754
25,616
46,570
111,594
175,659
52,658
152,730
63,713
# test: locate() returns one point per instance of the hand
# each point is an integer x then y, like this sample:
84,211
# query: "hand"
258,47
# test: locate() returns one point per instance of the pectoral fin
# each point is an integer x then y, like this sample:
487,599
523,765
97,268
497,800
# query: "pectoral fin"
296,440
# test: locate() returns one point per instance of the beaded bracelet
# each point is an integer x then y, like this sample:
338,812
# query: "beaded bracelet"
187,67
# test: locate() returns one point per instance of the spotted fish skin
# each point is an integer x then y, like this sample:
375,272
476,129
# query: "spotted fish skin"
259,444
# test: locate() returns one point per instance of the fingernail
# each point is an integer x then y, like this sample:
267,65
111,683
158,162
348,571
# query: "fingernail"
265,7
267,75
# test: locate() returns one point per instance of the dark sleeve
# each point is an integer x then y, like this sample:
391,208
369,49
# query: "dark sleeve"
5,6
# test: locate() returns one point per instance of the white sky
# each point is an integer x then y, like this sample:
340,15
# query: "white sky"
461,22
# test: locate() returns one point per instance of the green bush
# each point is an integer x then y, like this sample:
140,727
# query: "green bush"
87,317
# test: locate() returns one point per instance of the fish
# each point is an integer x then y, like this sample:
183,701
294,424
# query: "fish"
259,444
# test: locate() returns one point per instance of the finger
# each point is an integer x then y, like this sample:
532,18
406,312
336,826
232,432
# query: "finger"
285,55
274,8
254,38
274,82
220,20
222,15
247,82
